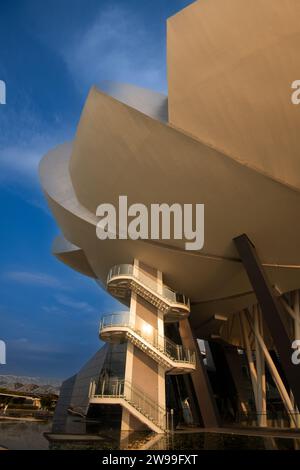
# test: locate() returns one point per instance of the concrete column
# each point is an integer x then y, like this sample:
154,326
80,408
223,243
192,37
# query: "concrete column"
125,424
143,372
161,370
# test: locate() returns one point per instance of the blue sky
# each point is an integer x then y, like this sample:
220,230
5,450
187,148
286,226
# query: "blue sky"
51,53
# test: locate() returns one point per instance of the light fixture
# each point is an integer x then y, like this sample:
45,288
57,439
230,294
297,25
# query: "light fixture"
147,329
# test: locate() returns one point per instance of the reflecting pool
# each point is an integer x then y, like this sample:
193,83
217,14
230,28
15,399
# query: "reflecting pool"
38,435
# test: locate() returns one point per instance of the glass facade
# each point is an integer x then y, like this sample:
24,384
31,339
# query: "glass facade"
113,369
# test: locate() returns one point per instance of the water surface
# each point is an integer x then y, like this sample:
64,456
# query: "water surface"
30,435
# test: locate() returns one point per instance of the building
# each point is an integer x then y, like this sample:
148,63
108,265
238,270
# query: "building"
225,136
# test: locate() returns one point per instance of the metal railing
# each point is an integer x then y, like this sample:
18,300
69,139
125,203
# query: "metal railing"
120,388
120,270
167,293
274,418
148,334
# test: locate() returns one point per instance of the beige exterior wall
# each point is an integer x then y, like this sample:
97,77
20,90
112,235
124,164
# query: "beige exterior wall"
146,312
145,374
149,272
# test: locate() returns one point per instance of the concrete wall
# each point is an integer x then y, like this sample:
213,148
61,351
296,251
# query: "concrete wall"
144,374
146,312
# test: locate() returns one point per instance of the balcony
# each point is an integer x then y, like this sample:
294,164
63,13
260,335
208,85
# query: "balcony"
118,327
121,280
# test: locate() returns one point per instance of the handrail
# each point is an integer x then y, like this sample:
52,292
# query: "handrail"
176,352
120,388
167,293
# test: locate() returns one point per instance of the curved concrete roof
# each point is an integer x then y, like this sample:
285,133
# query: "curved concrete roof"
125,146
215,282
71,255
117,148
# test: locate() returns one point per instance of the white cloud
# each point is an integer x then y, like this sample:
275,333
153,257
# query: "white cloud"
51,309
25,138
21,340
75,304
117,46
25,345
19,161
33,278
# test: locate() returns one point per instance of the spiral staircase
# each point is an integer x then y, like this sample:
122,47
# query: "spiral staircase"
121,327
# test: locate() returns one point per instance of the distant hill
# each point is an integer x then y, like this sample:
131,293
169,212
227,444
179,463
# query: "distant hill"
36,385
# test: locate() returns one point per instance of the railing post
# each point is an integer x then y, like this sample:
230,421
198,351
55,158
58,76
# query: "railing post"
92,388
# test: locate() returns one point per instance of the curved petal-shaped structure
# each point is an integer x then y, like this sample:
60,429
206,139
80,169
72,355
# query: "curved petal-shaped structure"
226,137
230,67
174,168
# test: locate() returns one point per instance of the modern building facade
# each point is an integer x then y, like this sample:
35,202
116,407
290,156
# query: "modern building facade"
225,136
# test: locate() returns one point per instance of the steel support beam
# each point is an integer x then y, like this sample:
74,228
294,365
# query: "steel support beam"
272,311
260,369
202,387
275,374
230,381
235,366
